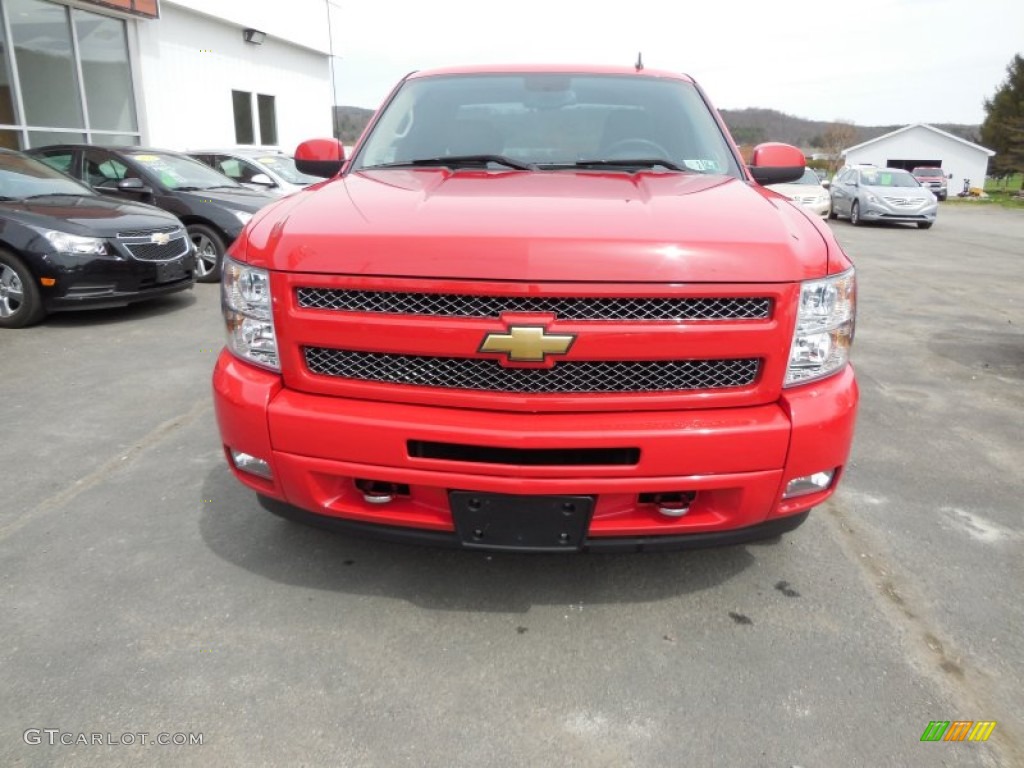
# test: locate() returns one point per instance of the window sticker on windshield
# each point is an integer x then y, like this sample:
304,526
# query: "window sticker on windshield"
703,165
168,175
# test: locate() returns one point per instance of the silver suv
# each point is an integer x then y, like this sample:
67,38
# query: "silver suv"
882,194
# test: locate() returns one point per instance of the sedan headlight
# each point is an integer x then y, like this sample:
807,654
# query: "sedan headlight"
248,314
76,245
824,328
872,198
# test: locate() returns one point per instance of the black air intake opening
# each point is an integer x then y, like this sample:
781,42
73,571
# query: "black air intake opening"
527,457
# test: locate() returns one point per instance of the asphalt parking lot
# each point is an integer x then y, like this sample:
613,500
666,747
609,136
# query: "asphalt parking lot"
144,591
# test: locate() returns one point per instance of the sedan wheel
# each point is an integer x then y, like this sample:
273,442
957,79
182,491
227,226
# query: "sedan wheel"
209,246
855,214
20,303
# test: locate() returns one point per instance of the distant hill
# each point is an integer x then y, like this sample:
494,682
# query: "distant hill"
748,126
349,123
753,125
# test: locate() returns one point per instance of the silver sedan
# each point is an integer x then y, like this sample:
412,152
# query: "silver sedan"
882,194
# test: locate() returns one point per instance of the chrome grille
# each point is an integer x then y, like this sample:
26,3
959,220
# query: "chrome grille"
566,308
147,232
904,202
569,376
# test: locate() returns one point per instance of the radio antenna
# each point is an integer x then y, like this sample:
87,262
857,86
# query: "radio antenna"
639,62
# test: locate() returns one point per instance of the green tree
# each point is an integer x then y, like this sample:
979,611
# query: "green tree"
1003,129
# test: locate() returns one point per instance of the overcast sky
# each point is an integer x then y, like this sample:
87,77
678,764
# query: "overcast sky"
873,62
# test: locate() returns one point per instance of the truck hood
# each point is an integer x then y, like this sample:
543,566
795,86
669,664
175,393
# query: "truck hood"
539,226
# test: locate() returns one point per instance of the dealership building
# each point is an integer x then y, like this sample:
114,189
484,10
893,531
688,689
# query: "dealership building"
181,74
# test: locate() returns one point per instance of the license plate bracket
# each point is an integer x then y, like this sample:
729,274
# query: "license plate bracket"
169,272
507,522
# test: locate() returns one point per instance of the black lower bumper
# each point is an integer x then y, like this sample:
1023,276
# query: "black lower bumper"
765,530
101,296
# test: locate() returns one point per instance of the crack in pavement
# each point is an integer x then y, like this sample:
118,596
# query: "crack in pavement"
98,475
966,684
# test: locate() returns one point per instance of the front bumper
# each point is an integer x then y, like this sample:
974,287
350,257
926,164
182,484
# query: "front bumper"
876,213
736,461
105,282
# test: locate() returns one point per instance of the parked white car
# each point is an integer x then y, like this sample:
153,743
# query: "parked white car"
265,170
808,191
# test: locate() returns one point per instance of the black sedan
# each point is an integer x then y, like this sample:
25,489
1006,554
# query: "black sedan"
62,246
213,207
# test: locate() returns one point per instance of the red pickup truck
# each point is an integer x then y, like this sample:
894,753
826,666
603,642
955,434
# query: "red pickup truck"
544,309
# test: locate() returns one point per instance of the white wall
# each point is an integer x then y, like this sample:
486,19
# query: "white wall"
190,63
919,143
303,22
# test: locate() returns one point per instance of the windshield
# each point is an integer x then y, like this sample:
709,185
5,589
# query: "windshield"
549,121
888,179
177,172
22,177
284,167
809,177
928,172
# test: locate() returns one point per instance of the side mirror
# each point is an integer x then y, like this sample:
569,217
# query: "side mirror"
320,157
774,163
826,183
133,185
263,180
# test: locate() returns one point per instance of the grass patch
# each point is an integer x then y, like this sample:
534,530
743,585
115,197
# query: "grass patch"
1000,192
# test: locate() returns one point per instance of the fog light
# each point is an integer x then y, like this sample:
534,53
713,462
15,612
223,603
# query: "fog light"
254,466
801,486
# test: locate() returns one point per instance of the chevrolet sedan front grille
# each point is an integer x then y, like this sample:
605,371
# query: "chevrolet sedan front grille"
566,308
567,377
142,247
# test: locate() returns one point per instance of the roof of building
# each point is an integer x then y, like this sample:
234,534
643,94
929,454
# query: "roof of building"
932,128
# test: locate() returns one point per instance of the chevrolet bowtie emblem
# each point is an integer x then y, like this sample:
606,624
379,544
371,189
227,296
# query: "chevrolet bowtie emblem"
160,238
528,343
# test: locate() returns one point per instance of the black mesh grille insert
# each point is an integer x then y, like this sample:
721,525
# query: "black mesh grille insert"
156,252
526,457
570,376
566,308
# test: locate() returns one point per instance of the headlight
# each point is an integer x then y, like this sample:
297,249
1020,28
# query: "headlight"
75,245
824,328
248,314
871,198
243,216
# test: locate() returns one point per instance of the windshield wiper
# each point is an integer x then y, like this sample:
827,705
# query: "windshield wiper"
54,194
224,186
188,189
639,162
454,161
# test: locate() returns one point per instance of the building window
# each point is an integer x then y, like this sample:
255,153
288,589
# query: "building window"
242,103
65,76
41,38
103,51
245,125
268,120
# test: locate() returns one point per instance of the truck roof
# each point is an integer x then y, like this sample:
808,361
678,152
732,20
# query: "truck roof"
573,69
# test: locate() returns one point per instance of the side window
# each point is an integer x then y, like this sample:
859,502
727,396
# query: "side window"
60,159
229,166
103,171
